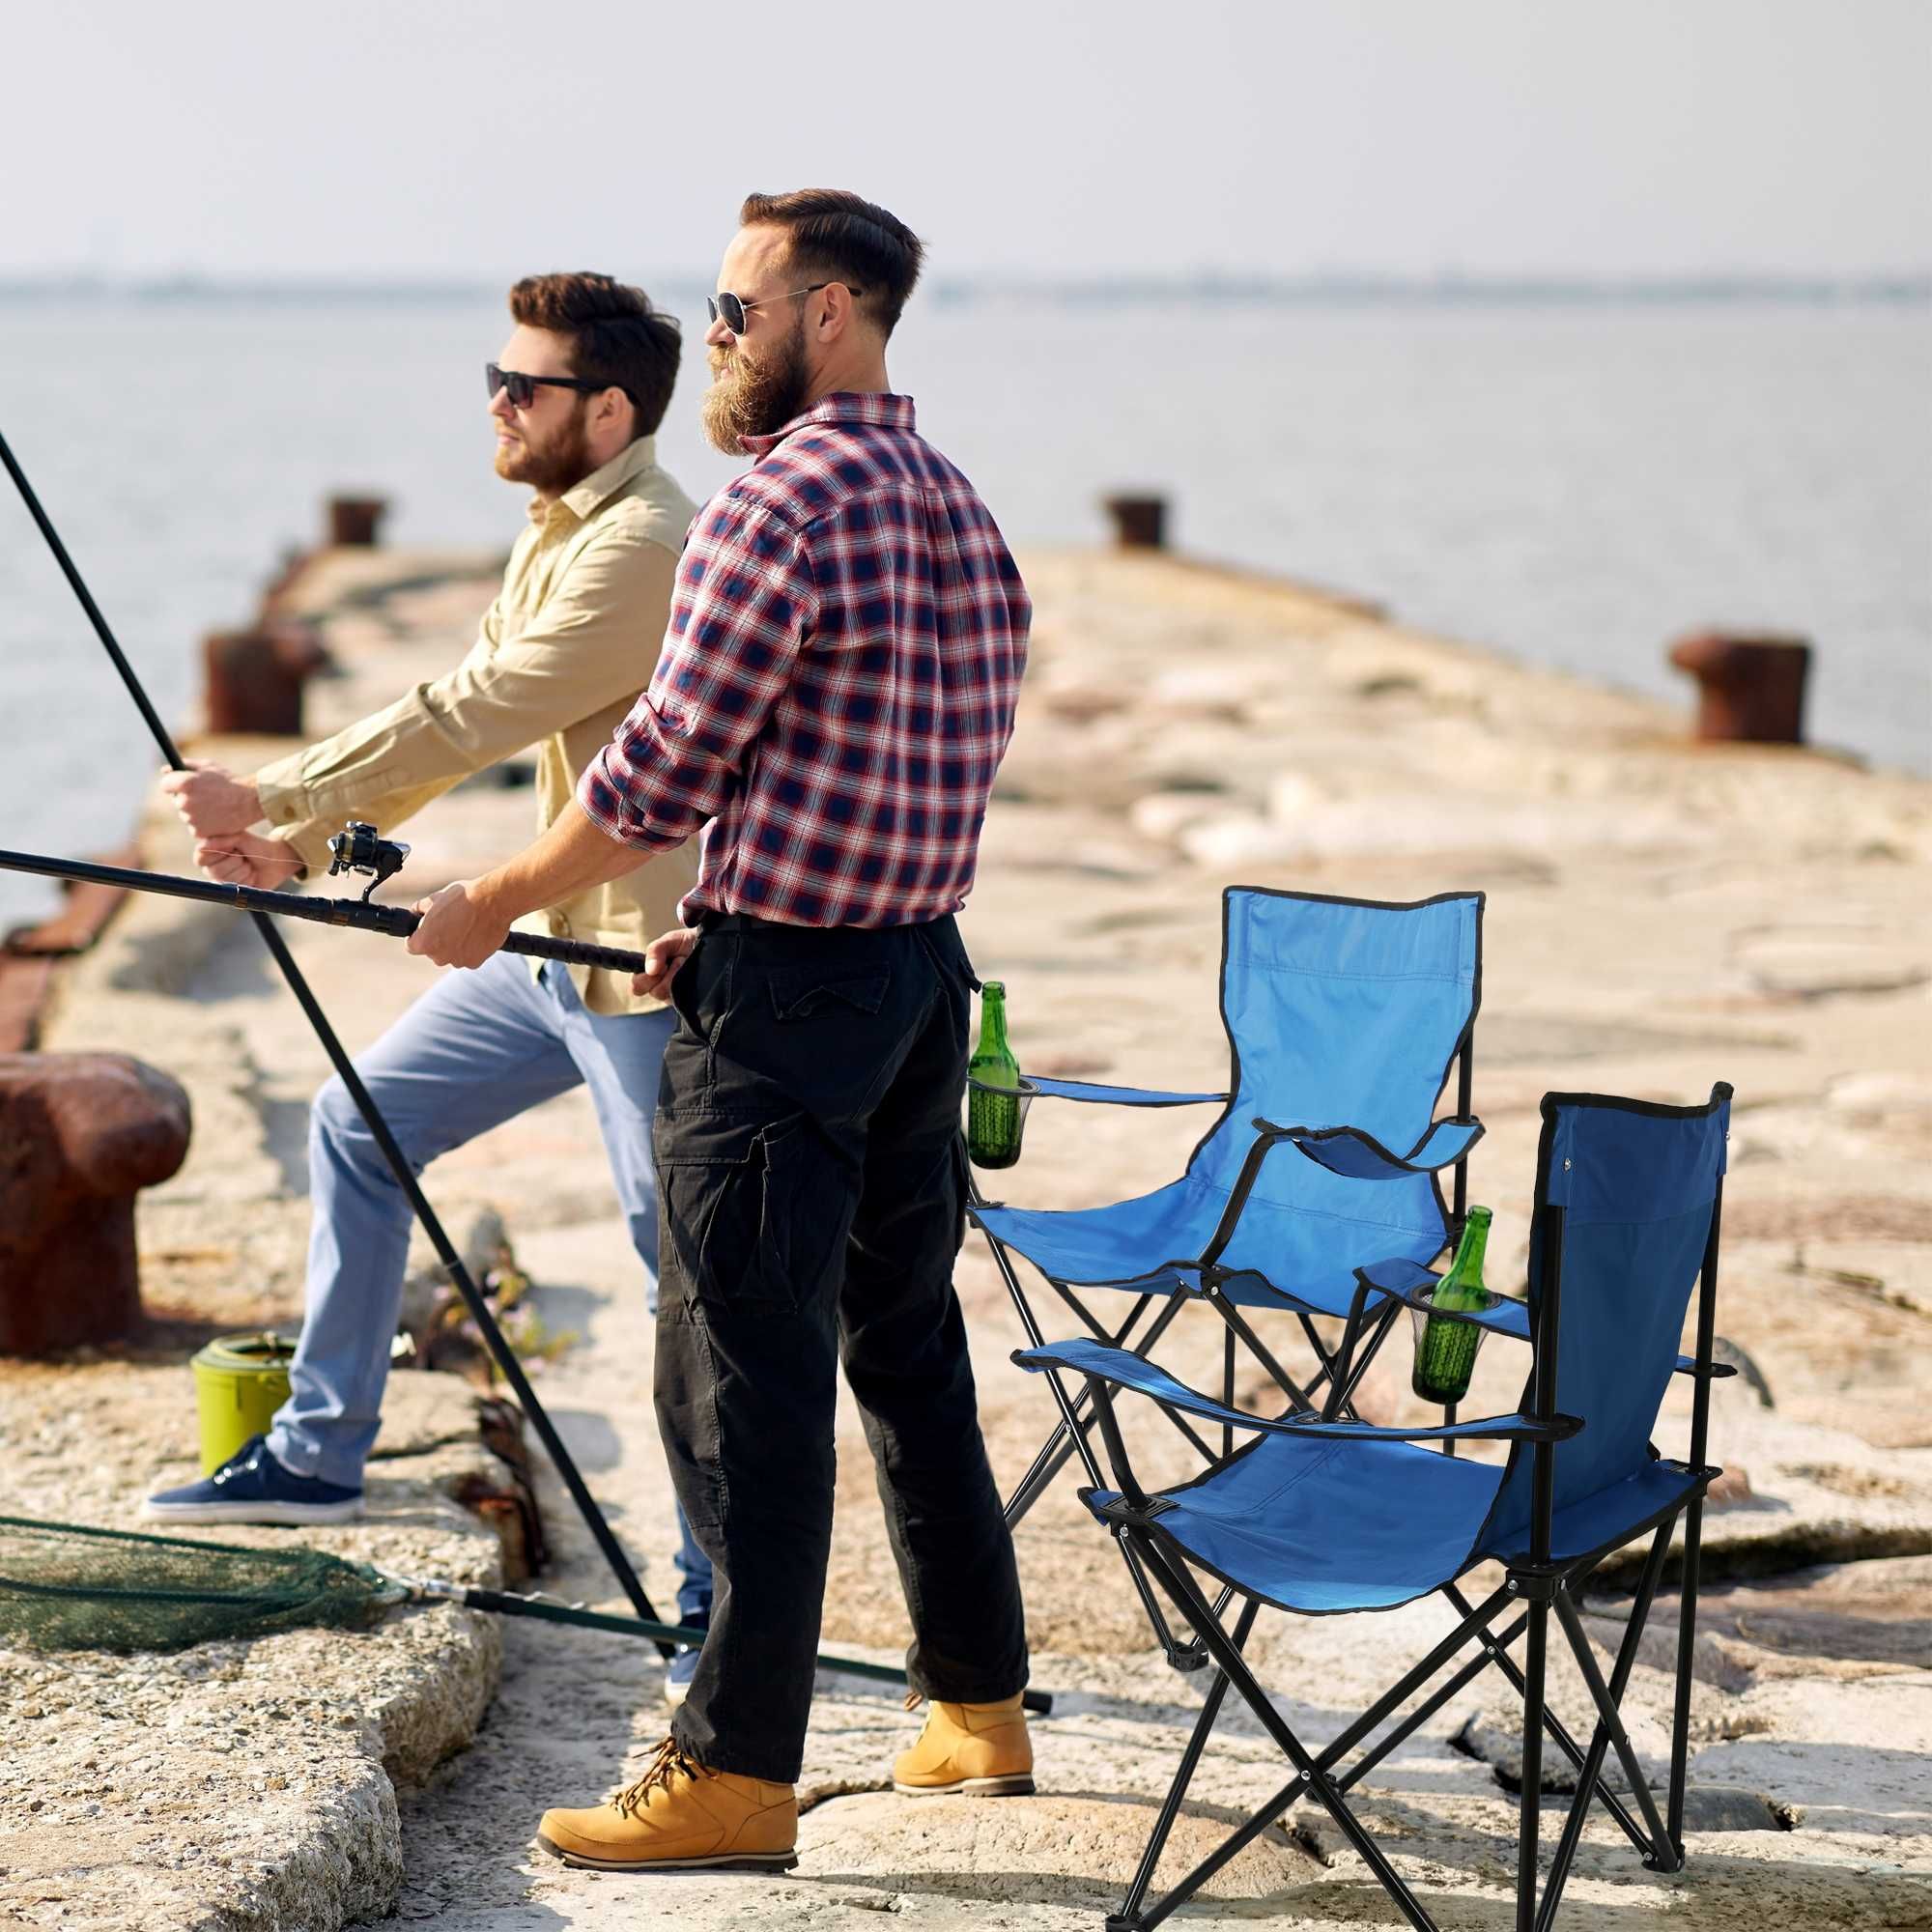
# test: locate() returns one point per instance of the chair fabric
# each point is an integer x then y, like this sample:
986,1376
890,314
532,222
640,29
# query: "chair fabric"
1347,1151
1340,1014
1115,1097
1325,1517
1636,1184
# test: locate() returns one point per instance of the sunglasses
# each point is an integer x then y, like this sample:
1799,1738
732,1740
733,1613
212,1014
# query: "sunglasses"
731,310
522,389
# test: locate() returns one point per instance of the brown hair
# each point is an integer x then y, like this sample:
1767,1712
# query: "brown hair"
836,236
617,340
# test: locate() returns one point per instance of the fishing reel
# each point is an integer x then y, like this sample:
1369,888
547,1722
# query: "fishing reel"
361,848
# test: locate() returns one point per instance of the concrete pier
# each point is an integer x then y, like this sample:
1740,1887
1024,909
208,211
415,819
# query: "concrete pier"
1661,914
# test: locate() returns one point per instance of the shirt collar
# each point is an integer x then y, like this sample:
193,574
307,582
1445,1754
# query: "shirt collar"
584,500
877,409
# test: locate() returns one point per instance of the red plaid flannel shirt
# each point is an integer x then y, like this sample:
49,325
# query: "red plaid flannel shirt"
837,681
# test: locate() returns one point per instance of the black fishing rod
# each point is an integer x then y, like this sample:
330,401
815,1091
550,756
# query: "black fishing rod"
405,1176
349,847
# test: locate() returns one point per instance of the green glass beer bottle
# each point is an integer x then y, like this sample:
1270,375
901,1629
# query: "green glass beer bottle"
993,1119
1445,1352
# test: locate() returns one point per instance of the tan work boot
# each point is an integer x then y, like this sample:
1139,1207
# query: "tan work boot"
681,1816
976,1748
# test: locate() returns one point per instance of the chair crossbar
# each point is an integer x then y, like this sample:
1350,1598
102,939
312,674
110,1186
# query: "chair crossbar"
1183,1776
1611,1719
1411,1681
1272,1811
1223,1305
1310,1779
1558,1734
1588,1783
1318,1773
1449,1687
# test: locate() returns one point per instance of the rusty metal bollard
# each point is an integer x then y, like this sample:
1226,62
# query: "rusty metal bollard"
254,678
83,1133
1140,523
354,521
1748,688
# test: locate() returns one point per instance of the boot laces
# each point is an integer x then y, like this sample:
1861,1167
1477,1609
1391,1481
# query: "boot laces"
671,1761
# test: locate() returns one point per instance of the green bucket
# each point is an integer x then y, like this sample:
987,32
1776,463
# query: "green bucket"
240,1382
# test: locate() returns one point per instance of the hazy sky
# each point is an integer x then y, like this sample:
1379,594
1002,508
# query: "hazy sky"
403,138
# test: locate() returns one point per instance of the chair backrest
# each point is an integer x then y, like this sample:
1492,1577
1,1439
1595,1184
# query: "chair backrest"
1340,1014
1636,1185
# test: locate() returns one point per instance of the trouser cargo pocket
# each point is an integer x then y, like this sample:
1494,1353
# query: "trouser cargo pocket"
750,1206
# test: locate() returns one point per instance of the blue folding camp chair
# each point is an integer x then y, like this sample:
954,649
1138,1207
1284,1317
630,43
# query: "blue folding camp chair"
1321,1516
1343,1017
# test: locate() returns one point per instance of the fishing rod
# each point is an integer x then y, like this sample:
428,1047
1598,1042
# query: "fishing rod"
398,1162
358,849
72,1586
503,1604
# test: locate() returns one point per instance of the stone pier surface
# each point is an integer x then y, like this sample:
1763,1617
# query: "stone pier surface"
1660,914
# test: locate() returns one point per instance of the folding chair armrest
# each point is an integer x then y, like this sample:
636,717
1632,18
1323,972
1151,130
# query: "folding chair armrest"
1119,1368
1358,1155
1406,1281
1116,1097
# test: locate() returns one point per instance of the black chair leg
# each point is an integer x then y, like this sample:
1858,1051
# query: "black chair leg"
1170,1810
1311,1780
1662,1854
1589,1786
1529,1816
1687,1639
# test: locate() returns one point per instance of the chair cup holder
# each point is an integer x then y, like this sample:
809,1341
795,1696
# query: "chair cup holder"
1445,1361
996,1120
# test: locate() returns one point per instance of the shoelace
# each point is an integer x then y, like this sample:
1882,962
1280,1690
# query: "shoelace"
668,1762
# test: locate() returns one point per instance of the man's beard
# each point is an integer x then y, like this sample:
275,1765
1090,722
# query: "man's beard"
747,398
551,467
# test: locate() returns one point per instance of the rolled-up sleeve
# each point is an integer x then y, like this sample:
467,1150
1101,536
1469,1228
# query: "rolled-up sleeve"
744,605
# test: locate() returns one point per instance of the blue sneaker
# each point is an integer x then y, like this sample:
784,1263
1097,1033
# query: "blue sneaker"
681,1666
253,1487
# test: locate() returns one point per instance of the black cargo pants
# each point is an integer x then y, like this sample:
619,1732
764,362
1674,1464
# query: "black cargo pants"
812,1189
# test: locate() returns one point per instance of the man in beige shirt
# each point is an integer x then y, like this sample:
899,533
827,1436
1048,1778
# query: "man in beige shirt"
561,658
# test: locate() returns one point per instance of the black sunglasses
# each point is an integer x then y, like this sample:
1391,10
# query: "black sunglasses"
731,310
522,389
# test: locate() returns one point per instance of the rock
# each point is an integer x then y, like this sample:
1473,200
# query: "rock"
1230,840
80,1135
1049,1849
1294,794
1165,815
250,1784
1707,1807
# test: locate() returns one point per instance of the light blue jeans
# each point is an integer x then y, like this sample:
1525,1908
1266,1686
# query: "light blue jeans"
477,1049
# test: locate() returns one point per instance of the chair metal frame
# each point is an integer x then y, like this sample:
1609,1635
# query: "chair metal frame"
1535,1588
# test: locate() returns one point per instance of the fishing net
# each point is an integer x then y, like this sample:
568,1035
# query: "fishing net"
67,1587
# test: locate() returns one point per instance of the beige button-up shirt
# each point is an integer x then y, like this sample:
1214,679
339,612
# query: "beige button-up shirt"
565,650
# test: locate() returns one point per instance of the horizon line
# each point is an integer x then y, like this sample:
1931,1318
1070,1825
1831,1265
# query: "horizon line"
1910,286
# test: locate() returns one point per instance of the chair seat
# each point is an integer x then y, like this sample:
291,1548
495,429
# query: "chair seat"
1607,1517
1327,1526
1324,1526
1288,1259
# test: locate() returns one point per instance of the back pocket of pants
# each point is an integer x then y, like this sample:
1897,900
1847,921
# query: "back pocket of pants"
751,1208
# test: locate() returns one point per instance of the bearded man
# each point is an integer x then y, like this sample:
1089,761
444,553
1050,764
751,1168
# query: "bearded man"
575,401
830,706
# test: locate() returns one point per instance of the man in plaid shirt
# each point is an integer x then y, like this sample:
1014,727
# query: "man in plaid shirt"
836,691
